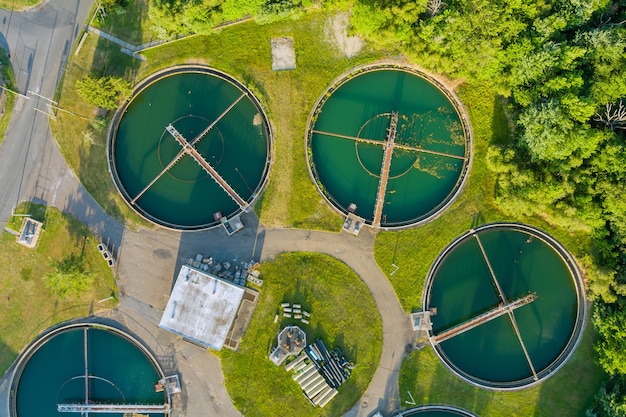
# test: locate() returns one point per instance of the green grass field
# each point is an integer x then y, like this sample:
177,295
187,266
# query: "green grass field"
343,314
26,305
19,4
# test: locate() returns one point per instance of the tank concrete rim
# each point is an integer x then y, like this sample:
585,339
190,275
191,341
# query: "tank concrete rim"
579,324
152,79
27,353
437,407
449,94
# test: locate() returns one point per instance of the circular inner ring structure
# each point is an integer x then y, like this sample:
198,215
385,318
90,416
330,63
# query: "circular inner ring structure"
389,144
436,411
97,367
192,142
507,306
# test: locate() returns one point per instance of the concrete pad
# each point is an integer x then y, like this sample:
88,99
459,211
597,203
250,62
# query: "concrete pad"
283,54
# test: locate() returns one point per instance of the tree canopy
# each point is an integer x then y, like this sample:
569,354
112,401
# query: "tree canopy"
106,92
69,277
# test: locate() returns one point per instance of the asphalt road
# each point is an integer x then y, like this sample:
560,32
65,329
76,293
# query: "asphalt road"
40,41
31,167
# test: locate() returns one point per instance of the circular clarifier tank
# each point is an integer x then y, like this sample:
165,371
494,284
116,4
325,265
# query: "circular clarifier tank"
507,306
436,411
192,142
85,365
390,144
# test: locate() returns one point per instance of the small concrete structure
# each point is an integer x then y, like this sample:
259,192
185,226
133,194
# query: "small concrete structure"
29,233
169,384
421,321
202,307
291,341
232,225
283,54
353,223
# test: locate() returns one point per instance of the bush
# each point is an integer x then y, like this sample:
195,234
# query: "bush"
69,277
105,92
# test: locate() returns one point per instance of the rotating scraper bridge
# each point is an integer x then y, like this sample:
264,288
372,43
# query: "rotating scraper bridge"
90,406
416,146
188,148
388,147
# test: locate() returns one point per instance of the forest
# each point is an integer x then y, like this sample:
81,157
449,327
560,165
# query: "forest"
560,69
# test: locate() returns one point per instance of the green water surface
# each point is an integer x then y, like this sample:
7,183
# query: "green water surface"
462,287
119,373
237,147
419,182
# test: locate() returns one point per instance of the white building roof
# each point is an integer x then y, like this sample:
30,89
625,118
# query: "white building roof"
202,307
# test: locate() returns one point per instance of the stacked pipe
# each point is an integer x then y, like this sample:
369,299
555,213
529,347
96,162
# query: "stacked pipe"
326,364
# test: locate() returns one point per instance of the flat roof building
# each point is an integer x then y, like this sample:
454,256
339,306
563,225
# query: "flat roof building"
202,307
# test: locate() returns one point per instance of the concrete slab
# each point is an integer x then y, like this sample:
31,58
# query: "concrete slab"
283,54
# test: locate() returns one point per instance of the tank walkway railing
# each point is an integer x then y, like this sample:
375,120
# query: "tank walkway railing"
510,312
184,152
212,125
167,168
113,408
493,274
396,145
86,365
489,315
384,169
422,150
521,342
355,138
193,152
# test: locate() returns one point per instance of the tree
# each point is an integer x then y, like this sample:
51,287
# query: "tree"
610,321
613,118
389,22
610,401
105,92
435,6
552,134
69,277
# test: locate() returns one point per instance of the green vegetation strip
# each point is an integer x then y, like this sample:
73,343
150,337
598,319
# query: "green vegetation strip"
343,315
19,4
27,305
6,72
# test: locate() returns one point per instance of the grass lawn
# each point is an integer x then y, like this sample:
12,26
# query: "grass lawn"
130,24
26,305
567,393
19,4
343,314
9,82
